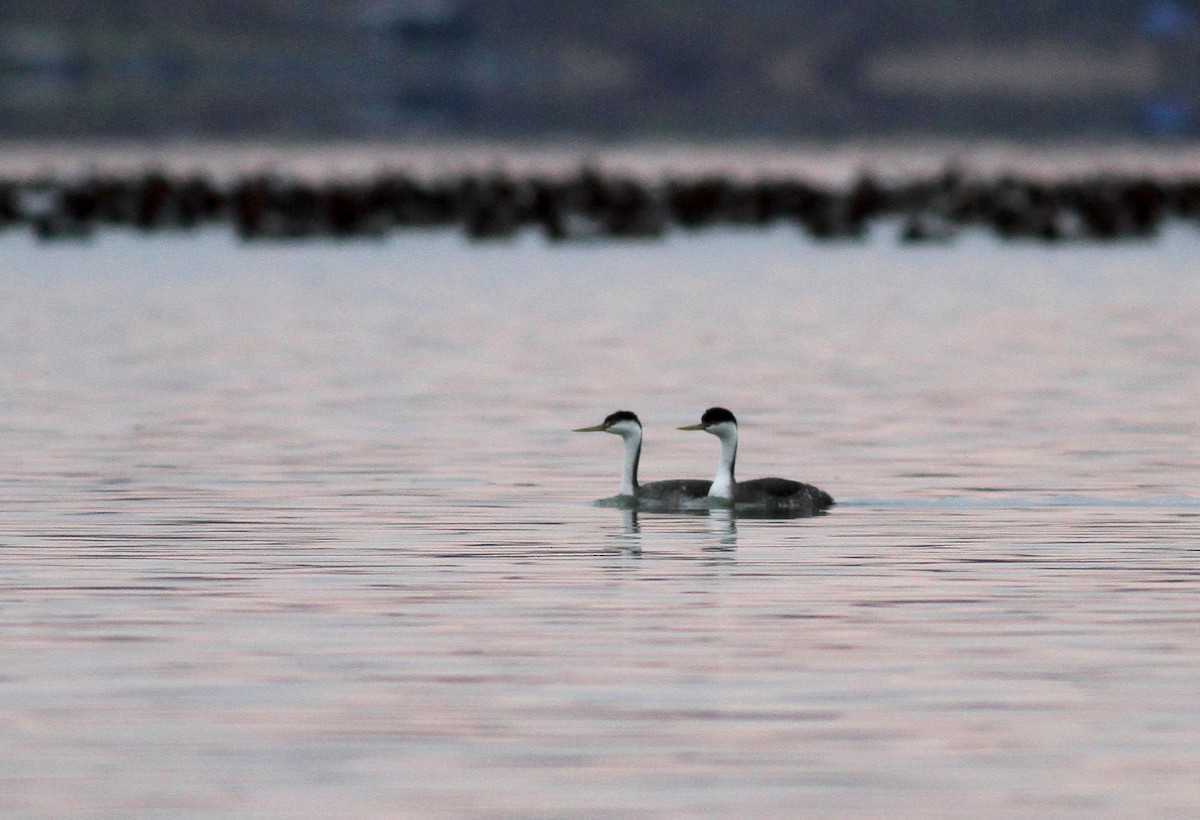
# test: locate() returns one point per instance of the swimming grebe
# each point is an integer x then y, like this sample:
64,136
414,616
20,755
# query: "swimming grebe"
671,493
761,493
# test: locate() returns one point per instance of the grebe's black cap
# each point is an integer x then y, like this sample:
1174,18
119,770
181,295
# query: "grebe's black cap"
716,415
621,415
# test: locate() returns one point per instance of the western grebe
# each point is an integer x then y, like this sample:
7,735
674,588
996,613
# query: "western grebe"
672,493
762,493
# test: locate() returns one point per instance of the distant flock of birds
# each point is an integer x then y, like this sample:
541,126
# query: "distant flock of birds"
761,496
591,204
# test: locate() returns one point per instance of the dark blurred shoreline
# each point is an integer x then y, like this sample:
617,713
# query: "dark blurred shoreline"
491,191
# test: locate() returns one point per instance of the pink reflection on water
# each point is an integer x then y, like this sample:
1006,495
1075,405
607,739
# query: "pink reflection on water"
303,529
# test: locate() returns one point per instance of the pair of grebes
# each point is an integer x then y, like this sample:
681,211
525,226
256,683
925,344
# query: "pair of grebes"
762,494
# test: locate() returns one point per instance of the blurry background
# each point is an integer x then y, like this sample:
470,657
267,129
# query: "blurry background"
643,69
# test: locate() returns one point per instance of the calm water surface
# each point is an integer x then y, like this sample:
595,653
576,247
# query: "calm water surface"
300,530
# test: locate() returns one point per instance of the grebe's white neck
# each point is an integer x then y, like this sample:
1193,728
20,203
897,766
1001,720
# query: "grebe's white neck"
633,452
722,486
630,432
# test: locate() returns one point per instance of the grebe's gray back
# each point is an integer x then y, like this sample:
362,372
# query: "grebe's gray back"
671,493
761,493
